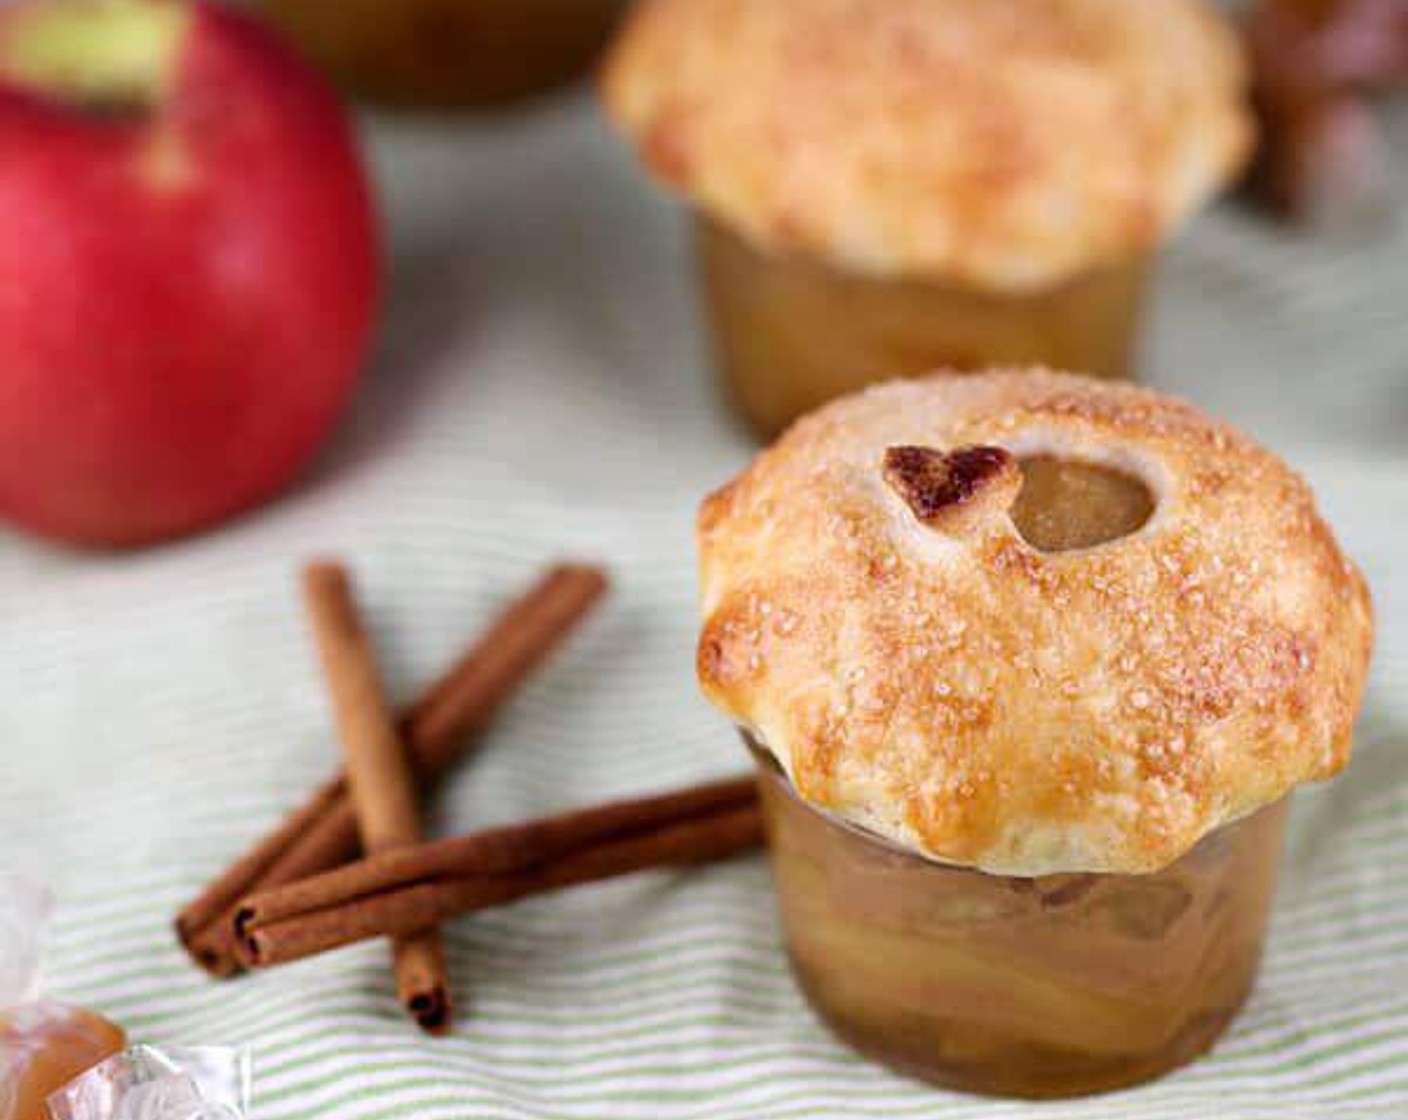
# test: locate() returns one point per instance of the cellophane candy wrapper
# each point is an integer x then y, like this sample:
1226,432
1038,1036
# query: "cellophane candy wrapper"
151,1083
24,919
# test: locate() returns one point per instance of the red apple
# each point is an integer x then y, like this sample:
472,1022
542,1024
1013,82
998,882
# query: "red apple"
188,266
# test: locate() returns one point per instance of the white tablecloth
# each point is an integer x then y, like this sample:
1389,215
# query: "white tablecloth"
540,390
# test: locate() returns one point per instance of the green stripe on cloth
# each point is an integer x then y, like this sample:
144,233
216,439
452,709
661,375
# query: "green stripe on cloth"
540,392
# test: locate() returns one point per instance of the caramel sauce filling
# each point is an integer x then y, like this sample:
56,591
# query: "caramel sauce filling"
1067,504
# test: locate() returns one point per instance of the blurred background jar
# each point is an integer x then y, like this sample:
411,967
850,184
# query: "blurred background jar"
448,54
888,187
791,333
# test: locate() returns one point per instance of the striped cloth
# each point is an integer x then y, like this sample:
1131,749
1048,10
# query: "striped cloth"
541,390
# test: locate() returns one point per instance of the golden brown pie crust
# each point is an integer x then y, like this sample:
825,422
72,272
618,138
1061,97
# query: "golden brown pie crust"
1007,144
946,684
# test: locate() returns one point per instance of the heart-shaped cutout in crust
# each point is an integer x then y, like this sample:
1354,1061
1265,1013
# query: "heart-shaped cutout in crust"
953,491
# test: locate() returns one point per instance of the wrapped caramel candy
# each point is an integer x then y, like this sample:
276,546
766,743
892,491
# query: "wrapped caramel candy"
43,1045
59,1062
147,1083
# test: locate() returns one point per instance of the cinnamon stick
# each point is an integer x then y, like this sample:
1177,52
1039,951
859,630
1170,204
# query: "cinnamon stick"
415,888
380,783
323,833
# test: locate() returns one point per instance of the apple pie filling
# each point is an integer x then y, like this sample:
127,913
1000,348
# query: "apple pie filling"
1036,987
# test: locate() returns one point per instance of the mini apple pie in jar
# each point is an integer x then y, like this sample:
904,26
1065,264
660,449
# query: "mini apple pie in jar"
1030,664
884,187
449,54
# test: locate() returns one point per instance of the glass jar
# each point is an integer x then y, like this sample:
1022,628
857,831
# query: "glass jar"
792,333
1050,987
450,54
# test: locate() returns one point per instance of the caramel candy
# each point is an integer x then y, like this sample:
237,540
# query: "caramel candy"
43,1047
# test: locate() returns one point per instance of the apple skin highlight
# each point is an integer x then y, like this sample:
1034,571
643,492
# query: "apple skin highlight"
187,285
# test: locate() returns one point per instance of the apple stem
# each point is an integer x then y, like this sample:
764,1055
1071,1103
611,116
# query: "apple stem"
100,54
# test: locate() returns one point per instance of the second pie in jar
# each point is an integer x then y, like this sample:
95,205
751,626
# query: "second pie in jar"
884,187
